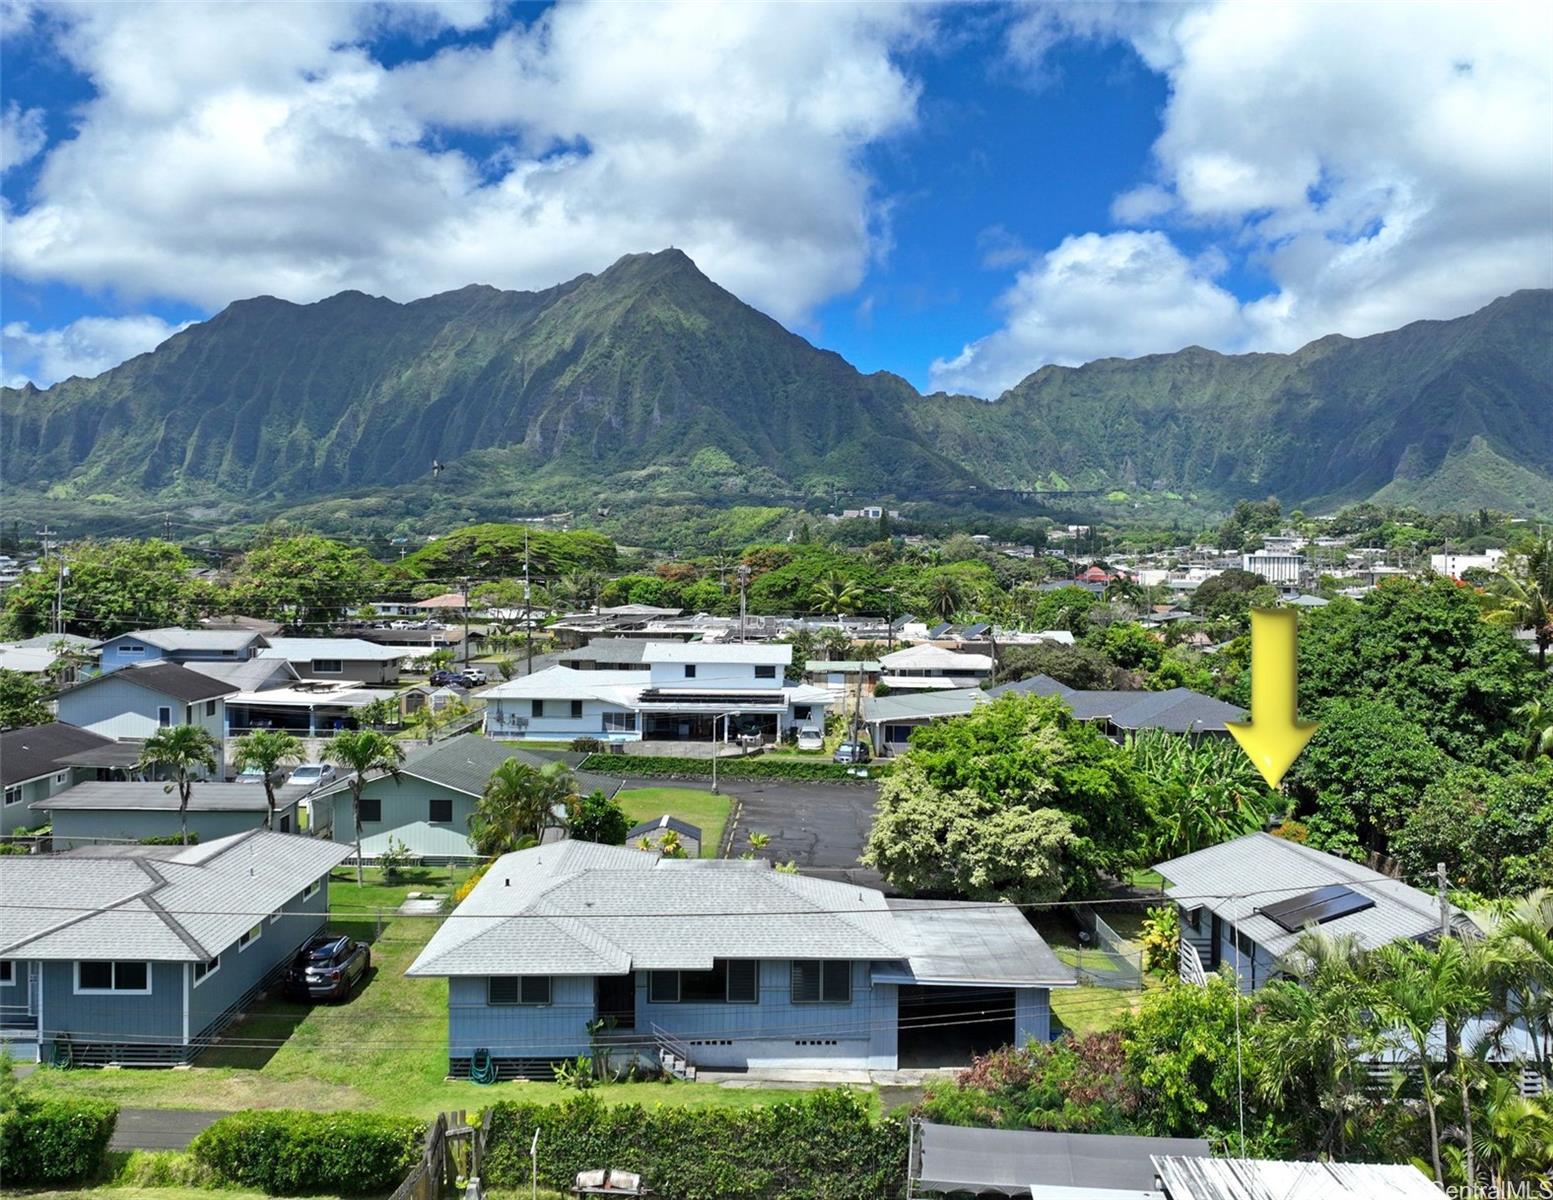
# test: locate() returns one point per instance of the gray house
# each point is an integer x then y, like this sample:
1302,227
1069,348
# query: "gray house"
33,767
142,954
178,646
339,660
130,811
438,786
134,702
729,964
1244,904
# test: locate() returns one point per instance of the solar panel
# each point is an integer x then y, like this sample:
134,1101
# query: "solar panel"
1317,907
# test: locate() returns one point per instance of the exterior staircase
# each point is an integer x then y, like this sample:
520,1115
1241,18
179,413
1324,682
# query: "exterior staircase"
673,1055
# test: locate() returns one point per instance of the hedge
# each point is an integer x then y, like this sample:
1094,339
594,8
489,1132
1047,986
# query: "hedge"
291,1153
56,1139
662,766
821,1146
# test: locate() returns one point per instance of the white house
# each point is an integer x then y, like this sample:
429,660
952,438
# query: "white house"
1455,564
684,695
932,667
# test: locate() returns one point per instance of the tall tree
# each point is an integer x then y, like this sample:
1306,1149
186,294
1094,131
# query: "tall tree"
303,580
363,752
517,801
1205,792
1523,598
835,593
267,750
108,587
944,595
23,701
188,752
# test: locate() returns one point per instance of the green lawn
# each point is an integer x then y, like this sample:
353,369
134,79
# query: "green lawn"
1086,1009
701,808
385,1049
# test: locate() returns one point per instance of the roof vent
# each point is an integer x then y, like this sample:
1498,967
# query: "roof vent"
506,883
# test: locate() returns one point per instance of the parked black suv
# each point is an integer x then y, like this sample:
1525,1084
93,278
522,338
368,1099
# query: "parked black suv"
328,967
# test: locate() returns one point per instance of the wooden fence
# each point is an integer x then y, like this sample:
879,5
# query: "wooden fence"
454,1149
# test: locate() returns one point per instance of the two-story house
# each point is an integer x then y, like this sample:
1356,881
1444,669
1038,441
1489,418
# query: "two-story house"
339,660
178,646
919,668
689,692
132,703
729,964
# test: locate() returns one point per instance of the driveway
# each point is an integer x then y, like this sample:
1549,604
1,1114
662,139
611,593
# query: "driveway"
822,827
160,1128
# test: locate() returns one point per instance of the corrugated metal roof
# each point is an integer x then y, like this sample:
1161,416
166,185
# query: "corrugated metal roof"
576,908
37,750
976,944
1235,879
953,703
1258,1179
158,903
1019,1162
130,796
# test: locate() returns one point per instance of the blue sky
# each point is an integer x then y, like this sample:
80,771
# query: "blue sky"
958,193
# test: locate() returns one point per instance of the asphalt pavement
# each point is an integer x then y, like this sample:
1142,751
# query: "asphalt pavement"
160,1128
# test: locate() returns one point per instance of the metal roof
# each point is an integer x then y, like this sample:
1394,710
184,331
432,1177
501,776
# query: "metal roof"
135,796
26,661
157,903
921,707
763,654
935,658
165,679
1024,1162
1258,1179
576,908
848,665
346,649
974,944
1237,879
37,750
175,639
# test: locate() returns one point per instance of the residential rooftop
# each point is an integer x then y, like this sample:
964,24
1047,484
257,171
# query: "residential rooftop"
346,649
38,750
154,796
174,639
165,679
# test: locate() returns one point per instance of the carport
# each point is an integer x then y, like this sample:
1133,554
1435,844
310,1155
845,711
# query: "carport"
946,1026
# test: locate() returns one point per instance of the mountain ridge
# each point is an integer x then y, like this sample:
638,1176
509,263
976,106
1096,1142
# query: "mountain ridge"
649,380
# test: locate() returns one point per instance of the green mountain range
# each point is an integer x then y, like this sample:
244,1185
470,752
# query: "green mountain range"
650,385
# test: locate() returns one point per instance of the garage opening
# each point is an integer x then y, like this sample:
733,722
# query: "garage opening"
948,1026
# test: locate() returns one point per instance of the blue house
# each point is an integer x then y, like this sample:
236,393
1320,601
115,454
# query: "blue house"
726,964
134,702
178,646
142,954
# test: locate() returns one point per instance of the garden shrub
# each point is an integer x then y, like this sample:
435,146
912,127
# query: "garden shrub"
822,1146
291,1153
669,767
588,745
54,1139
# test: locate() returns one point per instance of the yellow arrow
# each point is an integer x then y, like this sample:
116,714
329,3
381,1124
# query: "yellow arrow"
1274,736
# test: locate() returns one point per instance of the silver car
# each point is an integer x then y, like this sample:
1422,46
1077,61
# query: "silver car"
313,775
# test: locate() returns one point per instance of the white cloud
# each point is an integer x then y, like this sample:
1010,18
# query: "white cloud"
86,347
1096,296
21,135
237,149
1381,163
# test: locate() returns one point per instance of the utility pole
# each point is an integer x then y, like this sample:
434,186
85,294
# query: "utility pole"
742,572
1442,885
528,611
465,582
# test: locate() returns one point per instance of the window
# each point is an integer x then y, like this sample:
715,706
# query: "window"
113,977
276,915
13,795
802,712
822,982
690,670
371,808
7,972
252,936
210,708
312,890
60,778
765,671
164,716
730,981
203,969
576,709
285,823
896,734
131,648
441,811
619,722
537,708
328,666
517,989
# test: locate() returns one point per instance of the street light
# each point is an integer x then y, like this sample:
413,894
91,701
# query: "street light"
723,717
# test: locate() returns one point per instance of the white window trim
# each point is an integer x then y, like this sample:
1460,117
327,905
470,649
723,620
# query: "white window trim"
276,915
113,991
251,936
311,890
338,669
199,979
164,708
13,795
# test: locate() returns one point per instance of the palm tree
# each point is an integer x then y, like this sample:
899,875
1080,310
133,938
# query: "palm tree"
836,594
517,800
945,596
265,750
1523,603
1523,983
186,751
1124,591
1536,718
363,752
1514,1136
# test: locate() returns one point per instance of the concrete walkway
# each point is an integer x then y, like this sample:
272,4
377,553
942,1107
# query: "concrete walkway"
160,1128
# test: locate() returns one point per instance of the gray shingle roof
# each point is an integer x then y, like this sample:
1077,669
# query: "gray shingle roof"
252,675
1236,879
158,903
575,908
464,763
1036,685
349,649
683,828
131,796
37,750
174,639
609,650
165,679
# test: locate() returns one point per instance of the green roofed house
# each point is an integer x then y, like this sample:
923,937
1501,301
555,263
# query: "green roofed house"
141,954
